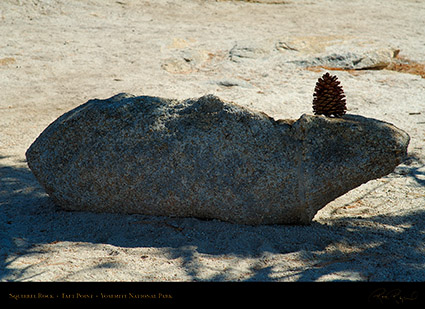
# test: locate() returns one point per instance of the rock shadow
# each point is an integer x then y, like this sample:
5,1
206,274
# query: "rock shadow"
30,219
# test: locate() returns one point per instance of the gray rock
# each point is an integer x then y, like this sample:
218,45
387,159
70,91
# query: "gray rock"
233,82
377,59
249,50
337,52
207,158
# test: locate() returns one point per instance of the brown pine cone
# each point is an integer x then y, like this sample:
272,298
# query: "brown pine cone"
329,98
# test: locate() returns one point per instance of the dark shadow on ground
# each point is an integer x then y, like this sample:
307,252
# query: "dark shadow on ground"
29,218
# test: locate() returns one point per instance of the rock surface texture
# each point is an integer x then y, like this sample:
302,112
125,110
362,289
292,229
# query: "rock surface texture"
207,158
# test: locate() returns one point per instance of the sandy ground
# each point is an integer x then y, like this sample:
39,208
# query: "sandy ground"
57,54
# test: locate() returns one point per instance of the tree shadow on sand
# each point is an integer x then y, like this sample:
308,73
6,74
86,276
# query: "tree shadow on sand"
381,248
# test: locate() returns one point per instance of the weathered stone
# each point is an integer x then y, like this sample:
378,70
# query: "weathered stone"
185,61
339,52
373,59
207,158
232,82
249,50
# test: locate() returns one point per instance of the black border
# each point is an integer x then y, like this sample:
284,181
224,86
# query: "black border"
141,293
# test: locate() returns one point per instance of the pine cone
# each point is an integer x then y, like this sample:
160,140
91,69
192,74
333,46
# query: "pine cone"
329,98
